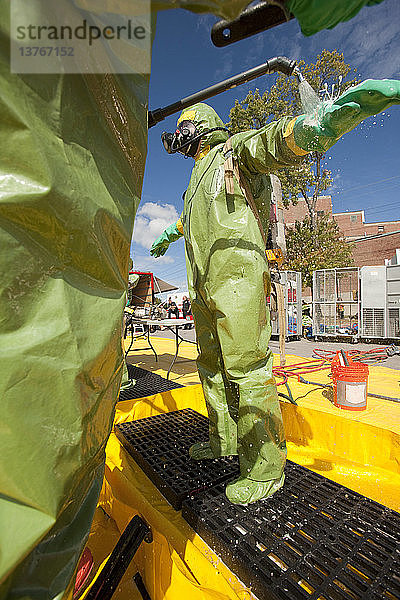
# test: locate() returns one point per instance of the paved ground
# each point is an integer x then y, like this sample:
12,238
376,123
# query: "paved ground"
303,347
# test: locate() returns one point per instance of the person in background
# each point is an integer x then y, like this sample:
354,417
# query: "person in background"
306,322
172,308
225,219
186,310
186,307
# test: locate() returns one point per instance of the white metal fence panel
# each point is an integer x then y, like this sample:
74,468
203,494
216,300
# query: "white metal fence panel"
393,300
336,303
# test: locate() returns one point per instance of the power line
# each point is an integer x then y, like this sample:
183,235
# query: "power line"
173,274
388,186
358,187
371,208
181,269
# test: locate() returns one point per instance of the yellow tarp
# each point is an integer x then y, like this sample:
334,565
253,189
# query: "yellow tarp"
359,450
184,370
356,449
178,564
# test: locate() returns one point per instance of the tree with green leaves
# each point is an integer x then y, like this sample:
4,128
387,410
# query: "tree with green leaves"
316,247
329,75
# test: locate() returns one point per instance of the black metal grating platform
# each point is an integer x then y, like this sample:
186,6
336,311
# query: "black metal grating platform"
160,445
314,540
147,384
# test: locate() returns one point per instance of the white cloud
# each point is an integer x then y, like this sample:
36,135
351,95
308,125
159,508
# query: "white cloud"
336,187
374,46
142,262
369,42
226,68
204,24
151,220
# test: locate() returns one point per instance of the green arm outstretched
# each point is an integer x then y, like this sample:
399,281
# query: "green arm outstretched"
171,234
284,142
320,130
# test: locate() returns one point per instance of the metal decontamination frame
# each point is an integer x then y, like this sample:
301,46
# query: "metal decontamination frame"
336,303
357,302
291,281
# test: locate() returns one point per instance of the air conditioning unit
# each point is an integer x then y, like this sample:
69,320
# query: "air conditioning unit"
373,322
394,323
373,301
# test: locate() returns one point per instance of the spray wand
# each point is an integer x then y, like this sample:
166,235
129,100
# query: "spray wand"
273,65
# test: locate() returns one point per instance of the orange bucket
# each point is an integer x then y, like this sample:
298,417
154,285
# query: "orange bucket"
350,382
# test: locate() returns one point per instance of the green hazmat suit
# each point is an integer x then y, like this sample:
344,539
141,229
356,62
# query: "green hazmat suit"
229,280
71,172
169,235
330,120
72,166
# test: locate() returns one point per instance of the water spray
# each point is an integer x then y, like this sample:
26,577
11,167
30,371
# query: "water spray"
308,96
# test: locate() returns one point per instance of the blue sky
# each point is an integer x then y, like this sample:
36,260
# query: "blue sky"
365,163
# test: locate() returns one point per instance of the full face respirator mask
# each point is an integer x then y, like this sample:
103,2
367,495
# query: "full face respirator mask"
186,139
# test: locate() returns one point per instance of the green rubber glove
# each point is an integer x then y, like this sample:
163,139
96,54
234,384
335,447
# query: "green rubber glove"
171,234
321,129
315,15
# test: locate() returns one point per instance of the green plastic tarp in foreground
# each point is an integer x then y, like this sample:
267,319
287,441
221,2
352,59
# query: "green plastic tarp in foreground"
71,169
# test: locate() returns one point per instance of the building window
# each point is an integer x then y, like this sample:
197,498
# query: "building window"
320,213
381,228
353,218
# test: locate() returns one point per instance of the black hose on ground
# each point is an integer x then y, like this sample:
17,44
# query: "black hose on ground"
328,385
289,395
282,395
292,400
384,397
324,385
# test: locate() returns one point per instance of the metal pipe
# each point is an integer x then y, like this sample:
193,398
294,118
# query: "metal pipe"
112,572
277,64
252,20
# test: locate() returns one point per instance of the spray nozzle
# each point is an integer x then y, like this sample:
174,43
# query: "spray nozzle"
297,73
282,64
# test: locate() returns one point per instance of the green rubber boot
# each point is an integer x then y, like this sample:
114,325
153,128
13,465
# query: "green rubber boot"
127,384
246,491
203,450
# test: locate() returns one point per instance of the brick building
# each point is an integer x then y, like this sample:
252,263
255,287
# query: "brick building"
374,250
300,211
373,242
353,225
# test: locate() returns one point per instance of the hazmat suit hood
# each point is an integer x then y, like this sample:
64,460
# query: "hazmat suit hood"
205,118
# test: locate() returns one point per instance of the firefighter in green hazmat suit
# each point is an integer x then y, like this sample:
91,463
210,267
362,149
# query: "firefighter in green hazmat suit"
228,272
